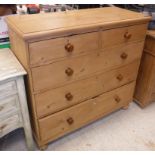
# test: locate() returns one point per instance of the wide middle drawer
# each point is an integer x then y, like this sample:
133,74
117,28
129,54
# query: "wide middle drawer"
66,71
63,97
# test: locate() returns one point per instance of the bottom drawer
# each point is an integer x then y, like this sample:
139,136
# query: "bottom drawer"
65,121
9,124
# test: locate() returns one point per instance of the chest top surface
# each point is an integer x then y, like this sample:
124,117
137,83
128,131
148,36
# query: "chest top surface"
9,65
34,25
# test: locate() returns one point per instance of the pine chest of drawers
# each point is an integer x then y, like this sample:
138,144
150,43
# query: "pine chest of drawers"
81,65
145,87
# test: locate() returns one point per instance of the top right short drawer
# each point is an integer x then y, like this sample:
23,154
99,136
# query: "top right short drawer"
123,35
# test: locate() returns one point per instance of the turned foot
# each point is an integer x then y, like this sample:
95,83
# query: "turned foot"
125,107
43,147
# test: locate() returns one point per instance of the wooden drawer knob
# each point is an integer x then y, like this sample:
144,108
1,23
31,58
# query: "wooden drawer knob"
120,77
69,71
2,127
69,47
69,96
70,121
1,108
117,99
124,55
127,35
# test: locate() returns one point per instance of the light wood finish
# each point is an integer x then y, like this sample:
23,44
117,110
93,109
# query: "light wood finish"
145,87
71,22
123,35
13,105
73,57
72,118
149,45
54,75
46,51
56,99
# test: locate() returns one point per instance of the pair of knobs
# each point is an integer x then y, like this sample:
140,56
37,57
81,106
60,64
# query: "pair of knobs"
69,71
69,96
70,120
69,47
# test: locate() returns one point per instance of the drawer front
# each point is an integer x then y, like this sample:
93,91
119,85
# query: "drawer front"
46,51
123,35
59,73
66,96
9,124
9,105
65,121
7,88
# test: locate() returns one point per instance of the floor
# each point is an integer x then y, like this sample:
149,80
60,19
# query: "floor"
132,129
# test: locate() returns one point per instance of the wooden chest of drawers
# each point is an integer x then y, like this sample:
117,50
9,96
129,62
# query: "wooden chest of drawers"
145,87
81,65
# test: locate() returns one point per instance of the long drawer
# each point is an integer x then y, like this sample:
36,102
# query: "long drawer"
69,70
63,97
45,51
79,115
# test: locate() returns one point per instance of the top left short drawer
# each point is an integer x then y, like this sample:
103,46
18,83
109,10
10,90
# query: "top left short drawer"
46,51
7,88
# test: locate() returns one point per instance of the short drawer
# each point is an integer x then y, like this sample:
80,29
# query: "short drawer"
123,35
7,88
65,121
63,72
46,51
63,97
9,124
9,105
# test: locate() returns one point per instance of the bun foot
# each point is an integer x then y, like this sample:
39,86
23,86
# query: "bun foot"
125,107
43,147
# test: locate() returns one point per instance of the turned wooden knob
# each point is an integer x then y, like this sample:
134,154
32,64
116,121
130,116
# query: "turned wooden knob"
120,77
69,71
117,99
1,108
70,121
69,96
69,47
124,55
127,35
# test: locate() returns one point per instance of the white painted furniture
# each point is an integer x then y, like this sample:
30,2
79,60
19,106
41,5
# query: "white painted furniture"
13,104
